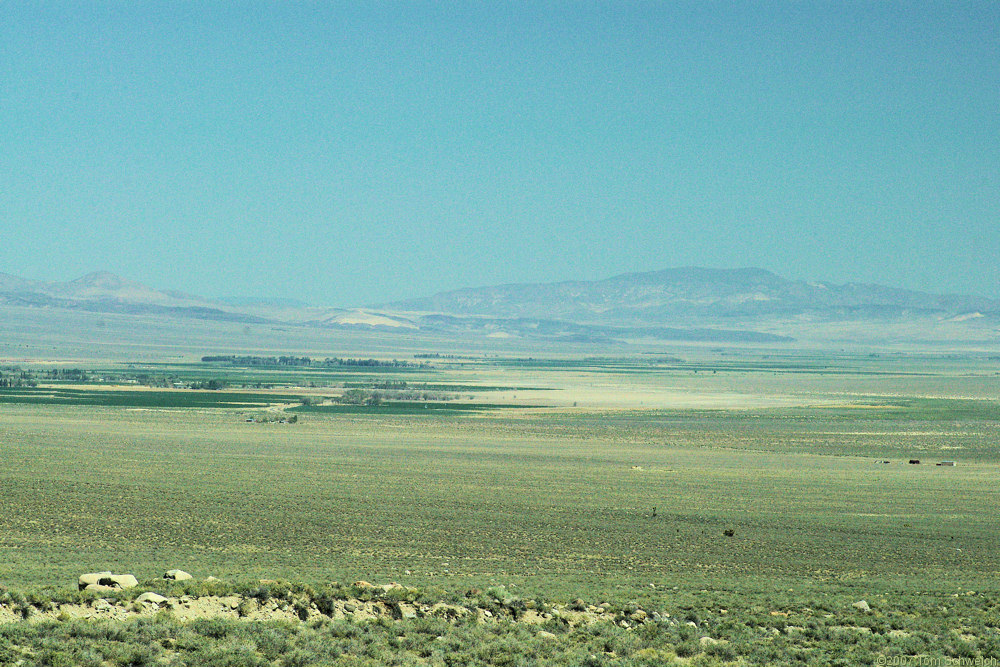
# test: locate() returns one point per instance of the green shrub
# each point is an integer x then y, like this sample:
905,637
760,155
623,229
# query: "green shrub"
721,651
212,627
687,648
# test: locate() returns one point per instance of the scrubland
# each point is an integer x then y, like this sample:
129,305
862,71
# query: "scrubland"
741,500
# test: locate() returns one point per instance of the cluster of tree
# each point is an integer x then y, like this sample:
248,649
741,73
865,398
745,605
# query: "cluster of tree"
439,356
340,361
208,385
390,385
418,395
173,381
67,374
258,360
291,360
357,397
280,419
152,381
17,377
361,397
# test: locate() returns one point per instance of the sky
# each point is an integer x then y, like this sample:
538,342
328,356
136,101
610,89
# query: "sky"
350,153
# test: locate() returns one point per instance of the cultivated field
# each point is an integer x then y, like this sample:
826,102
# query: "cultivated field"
745,494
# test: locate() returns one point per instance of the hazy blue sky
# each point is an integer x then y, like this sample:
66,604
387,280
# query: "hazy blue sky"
347,153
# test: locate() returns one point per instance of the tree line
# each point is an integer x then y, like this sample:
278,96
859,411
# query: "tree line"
17,377
291,360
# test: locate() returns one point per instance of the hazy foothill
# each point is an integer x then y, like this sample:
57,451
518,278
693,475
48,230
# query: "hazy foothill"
505,475
728,306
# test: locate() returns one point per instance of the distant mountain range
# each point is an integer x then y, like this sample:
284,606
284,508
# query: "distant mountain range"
681,304
692,293
105,292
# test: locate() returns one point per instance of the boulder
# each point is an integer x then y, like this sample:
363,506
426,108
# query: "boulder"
151,597
91,578
98,587
861,605
405,611
125,581
176,574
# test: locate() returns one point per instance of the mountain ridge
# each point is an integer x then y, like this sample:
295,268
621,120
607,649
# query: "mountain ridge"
745,305
688,292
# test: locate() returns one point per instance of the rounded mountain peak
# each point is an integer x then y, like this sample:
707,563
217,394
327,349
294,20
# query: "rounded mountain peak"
104,280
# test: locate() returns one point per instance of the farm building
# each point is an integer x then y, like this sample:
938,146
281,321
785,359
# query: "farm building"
946,463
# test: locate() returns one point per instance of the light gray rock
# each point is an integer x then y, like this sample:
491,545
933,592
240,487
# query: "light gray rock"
151,597
176,574
98,587
861,605
91,578
406,611
125,581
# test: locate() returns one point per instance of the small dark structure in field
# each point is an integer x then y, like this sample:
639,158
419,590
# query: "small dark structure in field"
914,461
946,463
729,533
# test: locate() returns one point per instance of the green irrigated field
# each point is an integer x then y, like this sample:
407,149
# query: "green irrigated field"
139,398
408,408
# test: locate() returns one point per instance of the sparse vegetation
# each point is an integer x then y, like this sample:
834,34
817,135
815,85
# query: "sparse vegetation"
281,623
756,527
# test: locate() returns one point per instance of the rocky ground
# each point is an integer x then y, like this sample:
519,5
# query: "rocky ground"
391,601
164,621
